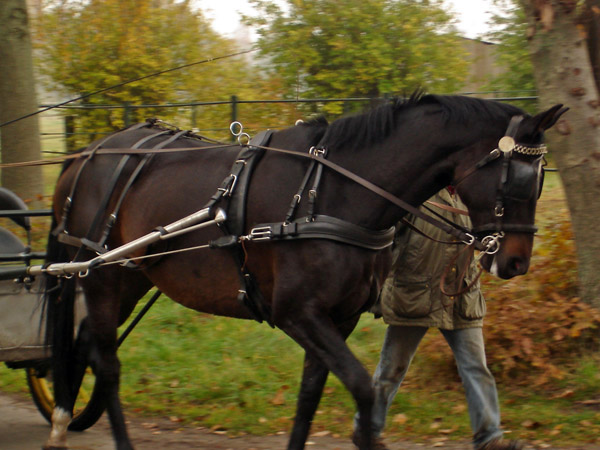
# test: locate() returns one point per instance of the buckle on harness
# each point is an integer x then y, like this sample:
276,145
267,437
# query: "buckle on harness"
317,151
469,240
260,234
227,188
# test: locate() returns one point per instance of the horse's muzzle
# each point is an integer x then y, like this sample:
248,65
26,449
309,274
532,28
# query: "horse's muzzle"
512,258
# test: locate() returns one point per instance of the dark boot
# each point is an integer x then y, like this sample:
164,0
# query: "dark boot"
501,444
377,442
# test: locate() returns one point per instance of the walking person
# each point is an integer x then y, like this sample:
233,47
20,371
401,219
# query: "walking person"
412,302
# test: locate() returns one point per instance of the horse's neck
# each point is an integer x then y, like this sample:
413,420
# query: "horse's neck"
410,175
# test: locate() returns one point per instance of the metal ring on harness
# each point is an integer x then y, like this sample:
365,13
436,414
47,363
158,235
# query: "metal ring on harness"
492,243
242,137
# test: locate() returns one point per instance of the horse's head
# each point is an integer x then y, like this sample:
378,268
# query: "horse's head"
500,181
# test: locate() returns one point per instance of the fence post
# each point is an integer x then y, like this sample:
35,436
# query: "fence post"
194,116
70,134
234,111
127,113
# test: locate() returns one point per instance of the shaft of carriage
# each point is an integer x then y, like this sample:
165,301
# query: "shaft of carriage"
200,219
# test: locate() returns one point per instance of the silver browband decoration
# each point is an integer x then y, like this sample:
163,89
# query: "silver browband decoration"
507,144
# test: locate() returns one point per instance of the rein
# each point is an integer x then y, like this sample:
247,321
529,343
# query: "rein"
107,151
466,238
461,277
462,236
505,148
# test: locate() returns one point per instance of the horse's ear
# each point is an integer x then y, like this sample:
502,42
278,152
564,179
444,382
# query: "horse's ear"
547,119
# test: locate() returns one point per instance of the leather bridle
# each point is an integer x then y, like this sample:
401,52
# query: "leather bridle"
507,147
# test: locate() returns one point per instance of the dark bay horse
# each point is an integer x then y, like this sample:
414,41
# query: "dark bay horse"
313,289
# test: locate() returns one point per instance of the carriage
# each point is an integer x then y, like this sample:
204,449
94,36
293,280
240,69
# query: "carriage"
22,344
293,228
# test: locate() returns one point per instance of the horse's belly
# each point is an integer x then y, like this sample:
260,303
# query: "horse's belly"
208,283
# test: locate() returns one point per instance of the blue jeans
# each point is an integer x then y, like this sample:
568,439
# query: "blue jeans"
399,348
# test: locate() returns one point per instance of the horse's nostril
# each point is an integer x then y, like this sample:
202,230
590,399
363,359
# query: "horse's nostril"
518,265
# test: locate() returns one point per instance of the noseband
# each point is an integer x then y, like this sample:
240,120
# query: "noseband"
506,148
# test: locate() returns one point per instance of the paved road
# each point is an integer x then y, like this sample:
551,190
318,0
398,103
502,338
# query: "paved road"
23,428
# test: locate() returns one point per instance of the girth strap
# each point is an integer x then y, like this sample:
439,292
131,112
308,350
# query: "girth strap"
242,170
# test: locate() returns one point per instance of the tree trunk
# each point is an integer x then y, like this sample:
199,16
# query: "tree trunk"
20,140
591,21
564,74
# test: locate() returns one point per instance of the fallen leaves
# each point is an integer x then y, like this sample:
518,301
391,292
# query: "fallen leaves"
279,398
564,394
400,419
589,402
530,424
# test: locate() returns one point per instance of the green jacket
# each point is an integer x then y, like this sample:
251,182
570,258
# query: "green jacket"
411,294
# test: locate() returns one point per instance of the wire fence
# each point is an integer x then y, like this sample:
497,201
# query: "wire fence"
69,130
68,113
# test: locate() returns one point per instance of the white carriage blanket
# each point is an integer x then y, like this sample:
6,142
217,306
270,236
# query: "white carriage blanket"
20,318
22,329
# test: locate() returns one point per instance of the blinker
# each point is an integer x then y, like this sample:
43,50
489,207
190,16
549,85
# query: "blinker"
524,180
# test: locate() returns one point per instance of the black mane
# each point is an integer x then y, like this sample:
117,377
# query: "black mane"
375,125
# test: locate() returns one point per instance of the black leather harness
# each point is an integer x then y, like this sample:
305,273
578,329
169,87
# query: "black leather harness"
99,246
235,188
231,195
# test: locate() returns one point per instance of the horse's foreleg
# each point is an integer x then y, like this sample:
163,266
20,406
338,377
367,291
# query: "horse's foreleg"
314,377
319,336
